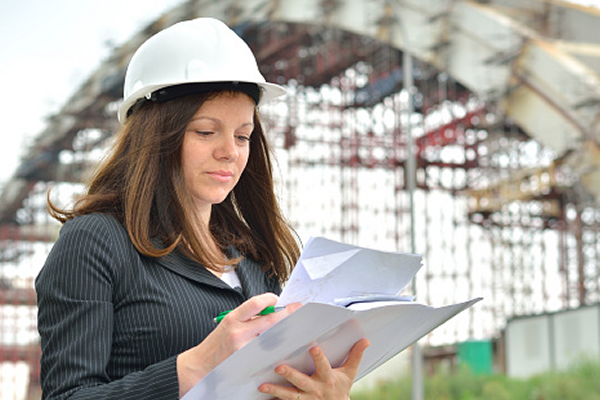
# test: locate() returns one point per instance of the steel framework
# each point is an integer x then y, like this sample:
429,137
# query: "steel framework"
500,213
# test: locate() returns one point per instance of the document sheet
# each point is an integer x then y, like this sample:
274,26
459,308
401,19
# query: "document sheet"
347,293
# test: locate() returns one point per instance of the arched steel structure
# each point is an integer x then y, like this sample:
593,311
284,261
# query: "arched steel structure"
506,123
539,62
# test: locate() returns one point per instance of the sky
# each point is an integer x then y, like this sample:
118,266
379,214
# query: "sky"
48,48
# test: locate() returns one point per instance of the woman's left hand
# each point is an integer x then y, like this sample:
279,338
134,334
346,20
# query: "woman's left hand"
326,383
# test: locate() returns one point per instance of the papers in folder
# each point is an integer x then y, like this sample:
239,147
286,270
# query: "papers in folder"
348,293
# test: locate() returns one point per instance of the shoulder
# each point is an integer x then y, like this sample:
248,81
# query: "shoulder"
93,236
94,245
96,233
94,223
94,229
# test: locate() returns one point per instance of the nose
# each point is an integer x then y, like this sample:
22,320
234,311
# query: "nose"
227,148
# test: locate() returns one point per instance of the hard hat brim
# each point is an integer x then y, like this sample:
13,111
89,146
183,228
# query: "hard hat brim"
269,91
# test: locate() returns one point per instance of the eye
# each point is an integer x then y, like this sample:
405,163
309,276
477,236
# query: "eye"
204,133
243,137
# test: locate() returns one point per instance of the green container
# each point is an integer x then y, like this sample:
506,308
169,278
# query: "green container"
477,355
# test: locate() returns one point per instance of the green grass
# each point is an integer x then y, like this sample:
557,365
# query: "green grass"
582,382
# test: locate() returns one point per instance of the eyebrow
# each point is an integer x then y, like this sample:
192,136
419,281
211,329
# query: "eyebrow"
217,120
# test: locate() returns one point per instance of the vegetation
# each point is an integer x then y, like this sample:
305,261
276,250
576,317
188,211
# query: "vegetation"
582,382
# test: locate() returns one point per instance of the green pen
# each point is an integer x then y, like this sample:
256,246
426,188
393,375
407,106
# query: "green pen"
268,310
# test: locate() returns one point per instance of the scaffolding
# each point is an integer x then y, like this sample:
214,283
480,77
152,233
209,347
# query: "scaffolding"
500,213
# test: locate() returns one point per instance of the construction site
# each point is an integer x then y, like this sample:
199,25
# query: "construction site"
464,131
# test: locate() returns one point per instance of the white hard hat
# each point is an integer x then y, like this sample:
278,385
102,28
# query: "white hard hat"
201,51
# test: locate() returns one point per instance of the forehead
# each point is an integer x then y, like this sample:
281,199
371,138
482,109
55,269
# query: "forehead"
231,98
230,105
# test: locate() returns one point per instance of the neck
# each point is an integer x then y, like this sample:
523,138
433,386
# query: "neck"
204,216
203,231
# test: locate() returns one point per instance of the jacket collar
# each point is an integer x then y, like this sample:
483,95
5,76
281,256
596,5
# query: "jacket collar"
249,272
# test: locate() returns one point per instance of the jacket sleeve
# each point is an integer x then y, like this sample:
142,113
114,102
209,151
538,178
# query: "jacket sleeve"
75,321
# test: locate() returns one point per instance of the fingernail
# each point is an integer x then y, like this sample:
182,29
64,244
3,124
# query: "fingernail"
280,370
263,389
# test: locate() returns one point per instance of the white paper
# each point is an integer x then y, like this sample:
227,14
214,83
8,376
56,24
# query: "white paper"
356,271
329,272
318,267
390,328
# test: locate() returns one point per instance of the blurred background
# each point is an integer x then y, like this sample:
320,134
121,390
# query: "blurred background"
465,131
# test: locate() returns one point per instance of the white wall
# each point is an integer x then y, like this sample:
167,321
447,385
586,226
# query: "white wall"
540,343
576,336
528,346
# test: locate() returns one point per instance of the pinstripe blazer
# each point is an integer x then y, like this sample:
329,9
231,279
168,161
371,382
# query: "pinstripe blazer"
113,321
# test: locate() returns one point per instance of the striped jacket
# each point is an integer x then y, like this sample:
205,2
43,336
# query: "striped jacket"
113,321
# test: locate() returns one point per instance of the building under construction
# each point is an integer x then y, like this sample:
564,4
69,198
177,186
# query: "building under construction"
482,117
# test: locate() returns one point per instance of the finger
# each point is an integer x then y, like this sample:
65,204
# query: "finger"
322,365
259,324
255,324
251,307
323,371
267,320
355,356
296,378
293,307
279,392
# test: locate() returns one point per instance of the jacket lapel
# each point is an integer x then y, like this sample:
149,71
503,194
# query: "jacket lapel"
190,269
253,279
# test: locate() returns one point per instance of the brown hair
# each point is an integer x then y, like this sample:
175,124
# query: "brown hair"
141,183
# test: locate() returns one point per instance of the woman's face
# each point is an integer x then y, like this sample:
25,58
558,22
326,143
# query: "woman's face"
216,147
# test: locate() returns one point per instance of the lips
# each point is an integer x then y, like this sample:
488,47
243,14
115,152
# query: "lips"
221,176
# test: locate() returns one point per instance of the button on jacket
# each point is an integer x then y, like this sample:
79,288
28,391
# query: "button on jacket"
112,321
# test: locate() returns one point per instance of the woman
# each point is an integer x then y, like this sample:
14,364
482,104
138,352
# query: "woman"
179,223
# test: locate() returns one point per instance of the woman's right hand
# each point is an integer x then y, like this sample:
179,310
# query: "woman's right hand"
238,328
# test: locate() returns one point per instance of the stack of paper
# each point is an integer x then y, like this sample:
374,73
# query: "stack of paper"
348,293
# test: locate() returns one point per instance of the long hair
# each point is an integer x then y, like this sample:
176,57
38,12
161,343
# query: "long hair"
141,183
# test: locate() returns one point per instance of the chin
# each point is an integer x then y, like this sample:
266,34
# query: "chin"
219,200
